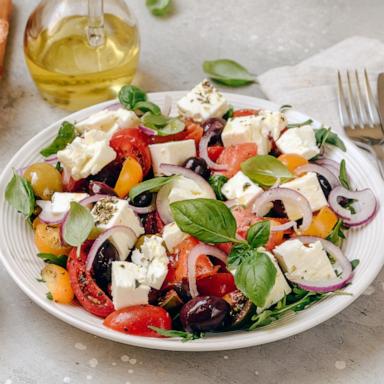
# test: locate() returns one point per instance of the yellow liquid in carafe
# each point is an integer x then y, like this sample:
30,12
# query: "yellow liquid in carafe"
72,74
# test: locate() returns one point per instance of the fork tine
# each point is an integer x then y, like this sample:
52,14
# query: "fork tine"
343,111
370,100
361,107
352,103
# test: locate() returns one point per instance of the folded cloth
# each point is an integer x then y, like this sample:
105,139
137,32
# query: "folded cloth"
310,86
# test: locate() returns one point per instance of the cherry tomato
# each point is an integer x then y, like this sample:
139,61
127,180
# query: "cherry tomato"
216,285
322,223
135,320
130,175
131,142
87,292
76,185
48,240
215,151
245,112
58,283
234,155
292,161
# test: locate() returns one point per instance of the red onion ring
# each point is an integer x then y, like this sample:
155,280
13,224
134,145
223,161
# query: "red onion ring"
288,195
366,198
113,107
167,106
162,204
231,203
51,160
147,131
326,285
66,176
203,152
284,227
196,252
326,173
47,216
332,165
104,236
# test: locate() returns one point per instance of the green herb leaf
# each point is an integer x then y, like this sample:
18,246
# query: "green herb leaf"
285,108
229,113
66,135
186,336
255,277
343,176
239,252
147,106
337,235
78,225
217,182
265,170
173,126
355,263
49,296
19,194
151,185
159,7
40,280
154,121
326,136
130,95
258,233
209,220
228,72
299,125
53,259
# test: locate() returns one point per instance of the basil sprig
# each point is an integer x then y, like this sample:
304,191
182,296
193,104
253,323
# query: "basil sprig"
134,98
159,7
151,185
185,336
326,136
228,72
65,136
258,234
217,182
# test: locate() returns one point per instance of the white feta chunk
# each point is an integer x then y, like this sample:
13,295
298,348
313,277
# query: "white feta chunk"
304,262
272,123
61,201
203,102
173,236
309,186
173,152
127,285
301,141
111,211
241,188
87,155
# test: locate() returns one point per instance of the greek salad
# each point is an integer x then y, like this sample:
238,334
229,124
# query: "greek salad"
208,219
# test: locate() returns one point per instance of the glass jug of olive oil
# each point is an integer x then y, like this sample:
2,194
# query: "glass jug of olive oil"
81,52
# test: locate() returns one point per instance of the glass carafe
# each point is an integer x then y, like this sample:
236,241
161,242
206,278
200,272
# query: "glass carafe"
80,52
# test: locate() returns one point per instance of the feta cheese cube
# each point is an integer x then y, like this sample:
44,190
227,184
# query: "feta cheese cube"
111,211
183,188
309,186
241,188
173,152
272,123
202,102
127,285
87,155
304,262
109,121
61,200
301,141
173,236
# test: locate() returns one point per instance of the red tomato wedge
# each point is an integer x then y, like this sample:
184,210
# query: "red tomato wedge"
216,285
245,112
215,151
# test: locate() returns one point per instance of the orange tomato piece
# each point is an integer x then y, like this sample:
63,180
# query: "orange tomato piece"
130,175
48,239
59,285
322,223
292,161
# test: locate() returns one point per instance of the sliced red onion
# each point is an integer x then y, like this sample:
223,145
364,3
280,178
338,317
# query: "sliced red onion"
326,285
284,227
332,165
284,194
66,176
20,171
326,173
113,107
51,160
46,215
162,204
231,203
167,106
367,209
147,131
196,252
144,210
93,199
101,239
203,152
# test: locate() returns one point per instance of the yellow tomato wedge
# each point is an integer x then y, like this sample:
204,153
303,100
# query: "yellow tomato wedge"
130,175
58,283
322,223
292,161
48,240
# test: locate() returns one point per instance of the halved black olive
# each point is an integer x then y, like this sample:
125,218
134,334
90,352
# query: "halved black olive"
241,309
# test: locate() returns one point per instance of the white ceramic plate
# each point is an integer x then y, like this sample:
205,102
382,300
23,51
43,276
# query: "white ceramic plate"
18,252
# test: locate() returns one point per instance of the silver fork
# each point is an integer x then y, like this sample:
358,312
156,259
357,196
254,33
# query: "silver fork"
359,115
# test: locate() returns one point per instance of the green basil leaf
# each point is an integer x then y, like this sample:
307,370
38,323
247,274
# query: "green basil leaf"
159,7
53,259
299,125
326,136
255,277
19,194
151,185
217,182
65,136
78,225
265,170
154,121
239,252
148,106
343,176
228,72
186,336
173,126
355,263
130,95
209,220
258,233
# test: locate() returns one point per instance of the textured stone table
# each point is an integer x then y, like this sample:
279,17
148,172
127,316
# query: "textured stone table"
261,34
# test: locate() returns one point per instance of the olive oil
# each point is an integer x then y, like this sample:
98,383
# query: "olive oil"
71,73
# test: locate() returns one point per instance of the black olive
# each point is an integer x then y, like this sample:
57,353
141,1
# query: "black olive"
198,166
102,265
278,209
241,309
109,174
325,186
204,313
142,200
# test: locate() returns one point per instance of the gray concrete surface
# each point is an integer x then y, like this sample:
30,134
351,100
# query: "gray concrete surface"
261,34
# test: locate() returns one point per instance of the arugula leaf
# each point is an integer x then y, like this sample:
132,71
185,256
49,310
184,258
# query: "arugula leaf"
186,336
337,235
355,263
228,72
49,296
19,194
151,185
258,233
147,106
239,252
210,221
159,7
78,225
227,115
130,95
265,170
343,176
285,108
53,259
299,125
255,277
326,136
65,136
217,182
